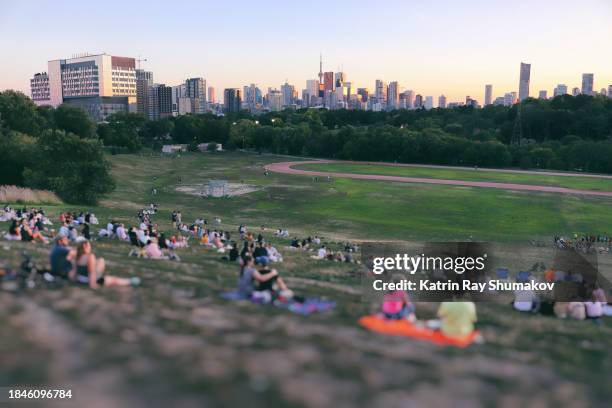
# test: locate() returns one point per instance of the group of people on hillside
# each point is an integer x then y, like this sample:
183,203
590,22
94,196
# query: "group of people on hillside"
584,243
28,225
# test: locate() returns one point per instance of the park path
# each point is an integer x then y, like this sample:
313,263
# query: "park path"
287,168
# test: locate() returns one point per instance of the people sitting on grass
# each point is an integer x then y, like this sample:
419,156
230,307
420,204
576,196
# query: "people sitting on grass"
61,257
457,318
29,235
90,270
273,254
264,284
14,231
396,305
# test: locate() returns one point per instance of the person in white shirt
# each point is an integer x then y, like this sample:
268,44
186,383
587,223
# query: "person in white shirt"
526,301
121,234
322,253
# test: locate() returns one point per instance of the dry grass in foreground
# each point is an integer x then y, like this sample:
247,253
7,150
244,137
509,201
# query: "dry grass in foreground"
14,194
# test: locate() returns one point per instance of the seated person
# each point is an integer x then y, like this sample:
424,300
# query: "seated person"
121,234
526,301
263,280
153,251
273,254
90,270
14,232
396,305
322,252
268,279
61,256
457,318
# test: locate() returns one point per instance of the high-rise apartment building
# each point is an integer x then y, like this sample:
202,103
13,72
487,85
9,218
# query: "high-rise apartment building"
287,92
560,89
312,92
99,84
609,91
212,97
393,96
524,81
587,84
429,102
575,91
195,90
231,100
407,99
380,92
160,101
488,99
418,101
442,101
274,100
144,79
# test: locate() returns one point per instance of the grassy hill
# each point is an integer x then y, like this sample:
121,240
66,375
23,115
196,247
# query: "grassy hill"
174,341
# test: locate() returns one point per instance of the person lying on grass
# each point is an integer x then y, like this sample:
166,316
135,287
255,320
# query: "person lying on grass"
91,270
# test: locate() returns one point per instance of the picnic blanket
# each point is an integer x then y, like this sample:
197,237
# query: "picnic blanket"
303,307
405,328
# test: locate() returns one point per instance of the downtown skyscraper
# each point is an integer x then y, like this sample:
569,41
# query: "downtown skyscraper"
524,81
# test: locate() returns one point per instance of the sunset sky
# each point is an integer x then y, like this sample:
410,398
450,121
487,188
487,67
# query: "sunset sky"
432,47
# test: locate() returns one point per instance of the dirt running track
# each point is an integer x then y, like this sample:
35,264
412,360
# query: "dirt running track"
286,168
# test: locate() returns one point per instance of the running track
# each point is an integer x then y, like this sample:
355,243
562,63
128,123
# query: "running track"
286,168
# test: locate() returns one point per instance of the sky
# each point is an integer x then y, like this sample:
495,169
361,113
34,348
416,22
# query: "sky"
432,47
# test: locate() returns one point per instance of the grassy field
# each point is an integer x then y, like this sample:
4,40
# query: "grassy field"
173,341
577,182
353,208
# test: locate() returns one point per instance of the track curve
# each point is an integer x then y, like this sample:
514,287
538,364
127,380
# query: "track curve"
286,168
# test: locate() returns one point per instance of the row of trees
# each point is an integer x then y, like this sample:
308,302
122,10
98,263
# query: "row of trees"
48,148
52,149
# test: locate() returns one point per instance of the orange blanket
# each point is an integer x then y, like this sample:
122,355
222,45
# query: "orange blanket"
405,328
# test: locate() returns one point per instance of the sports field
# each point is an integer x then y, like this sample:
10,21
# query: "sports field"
173,341
533,178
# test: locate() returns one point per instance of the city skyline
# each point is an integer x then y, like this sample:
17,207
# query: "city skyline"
431,64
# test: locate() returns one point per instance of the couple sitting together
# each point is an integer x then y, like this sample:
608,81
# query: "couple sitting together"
82,266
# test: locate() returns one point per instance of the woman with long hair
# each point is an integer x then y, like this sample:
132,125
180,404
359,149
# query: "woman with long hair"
90,270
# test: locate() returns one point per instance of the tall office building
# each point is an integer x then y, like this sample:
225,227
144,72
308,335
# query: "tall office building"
407,99
364,93
144,79
587,84
524,81
274,100
380,92
232,100
312,92
418,101
328,81
393,96
195,90
178,108
488,99
442,101
340,78
560,89
99,84
160,101
543,94
212,97
288,92
509,98
429,102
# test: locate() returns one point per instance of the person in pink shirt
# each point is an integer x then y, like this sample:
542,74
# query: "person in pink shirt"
396,305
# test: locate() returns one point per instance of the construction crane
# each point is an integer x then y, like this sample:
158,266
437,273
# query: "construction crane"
139,60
